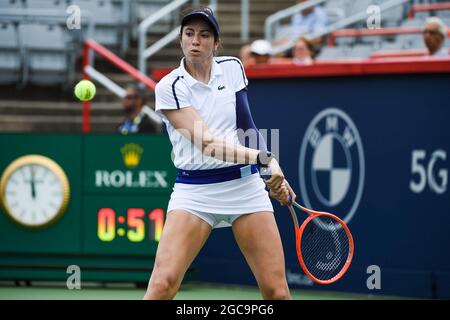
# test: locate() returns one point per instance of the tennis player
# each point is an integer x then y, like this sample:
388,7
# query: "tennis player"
204,105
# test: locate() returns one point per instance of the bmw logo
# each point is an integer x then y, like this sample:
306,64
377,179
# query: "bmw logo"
331,164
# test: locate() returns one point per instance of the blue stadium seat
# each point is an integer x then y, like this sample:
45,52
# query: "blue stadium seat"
361,51
11,4
395,46
334,53
344,5
409,40
413,23
417,43
343,41
443,14
358,6
49,58
372,40
10,58
110,24
143,9
47,4
422,15
393,17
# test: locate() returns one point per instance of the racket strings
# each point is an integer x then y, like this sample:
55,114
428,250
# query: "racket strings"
325,247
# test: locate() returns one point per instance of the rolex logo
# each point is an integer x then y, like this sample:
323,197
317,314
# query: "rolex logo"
131,154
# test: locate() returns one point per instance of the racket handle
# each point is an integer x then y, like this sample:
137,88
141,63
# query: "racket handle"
265,173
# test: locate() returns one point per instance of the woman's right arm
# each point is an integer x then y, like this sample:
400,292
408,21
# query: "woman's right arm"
189,124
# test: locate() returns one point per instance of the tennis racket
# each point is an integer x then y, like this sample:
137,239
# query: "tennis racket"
324,245
323,242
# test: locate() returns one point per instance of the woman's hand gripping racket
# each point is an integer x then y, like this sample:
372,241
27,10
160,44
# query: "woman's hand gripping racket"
324,244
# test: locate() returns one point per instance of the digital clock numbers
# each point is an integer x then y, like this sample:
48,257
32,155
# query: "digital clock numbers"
135,227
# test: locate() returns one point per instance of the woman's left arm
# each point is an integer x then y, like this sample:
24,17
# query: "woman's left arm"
244,121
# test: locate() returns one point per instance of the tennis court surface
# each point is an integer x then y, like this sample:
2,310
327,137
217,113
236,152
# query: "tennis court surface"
191,291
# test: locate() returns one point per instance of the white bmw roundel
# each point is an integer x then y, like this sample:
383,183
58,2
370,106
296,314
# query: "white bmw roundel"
331,164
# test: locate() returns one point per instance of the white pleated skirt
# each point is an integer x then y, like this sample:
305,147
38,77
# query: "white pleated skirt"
235,197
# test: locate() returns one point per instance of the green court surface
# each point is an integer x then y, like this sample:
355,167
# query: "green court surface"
49,291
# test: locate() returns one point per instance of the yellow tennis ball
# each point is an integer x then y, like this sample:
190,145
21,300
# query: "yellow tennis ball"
85,90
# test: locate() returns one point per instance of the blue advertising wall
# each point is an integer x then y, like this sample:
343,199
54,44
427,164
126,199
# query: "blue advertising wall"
389,137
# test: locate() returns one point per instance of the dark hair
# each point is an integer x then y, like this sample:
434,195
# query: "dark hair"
139,90
310,46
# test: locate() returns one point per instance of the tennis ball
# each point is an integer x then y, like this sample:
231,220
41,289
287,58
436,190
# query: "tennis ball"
85,90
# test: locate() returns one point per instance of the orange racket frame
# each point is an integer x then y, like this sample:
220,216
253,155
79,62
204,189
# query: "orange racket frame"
298,238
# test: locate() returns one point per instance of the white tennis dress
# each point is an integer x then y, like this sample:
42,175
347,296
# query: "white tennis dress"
216,191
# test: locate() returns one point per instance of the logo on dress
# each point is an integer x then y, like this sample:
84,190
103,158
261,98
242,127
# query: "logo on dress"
331,164
221,87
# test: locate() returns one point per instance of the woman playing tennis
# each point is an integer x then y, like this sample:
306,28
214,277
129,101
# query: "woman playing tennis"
204,106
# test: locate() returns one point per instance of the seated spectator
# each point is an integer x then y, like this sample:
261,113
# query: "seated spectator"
245,54
137,120
309,21
261,51
303,52
434,35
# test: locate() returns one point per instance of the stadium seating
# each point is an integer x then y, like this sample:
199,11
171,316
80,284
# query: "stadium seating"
10,58
110,24
44,58
389,45
11,4
334,52
46,4
48,56
358,46
141,9
361,51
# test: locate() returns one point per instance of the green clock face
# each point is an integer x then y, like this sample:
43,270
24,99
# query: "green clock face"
34,191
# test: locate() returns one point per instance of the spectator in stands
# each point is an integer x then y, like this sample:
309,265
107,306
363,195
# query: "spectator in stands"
309,21
261,51
137,120
245,54
434,35
303,52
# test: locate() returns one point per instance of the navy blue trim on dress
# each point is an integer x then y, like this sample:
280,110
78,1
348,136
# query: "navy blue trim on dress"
216,175
173,91
237,61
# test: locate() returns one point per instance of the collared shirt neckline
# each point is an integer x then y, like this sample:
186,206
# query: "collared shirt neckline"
216,71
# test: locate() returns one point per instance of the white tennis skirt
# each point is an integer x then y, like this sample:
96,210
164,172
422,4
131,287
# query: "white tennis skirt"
235,197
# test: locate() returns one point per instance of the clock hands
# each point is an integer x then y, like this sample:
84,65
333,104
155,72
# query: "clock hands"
33,181
33,187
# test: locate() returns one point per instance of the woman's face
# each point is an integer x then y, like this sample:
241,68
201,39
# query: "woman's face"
198,42
301,50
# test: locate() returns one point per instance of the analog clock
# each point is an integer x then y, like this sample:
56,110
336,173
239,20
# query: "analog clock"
34,191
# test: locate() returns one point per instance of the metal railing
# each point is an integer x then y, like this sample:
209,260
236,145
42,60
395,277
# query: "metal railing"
245,20
273,20
357,17
45,16
146,52
91,47
428,7
375,32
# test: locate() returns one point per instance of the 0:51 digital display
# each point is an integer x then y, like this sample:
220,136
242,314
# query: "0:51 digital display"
136,227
